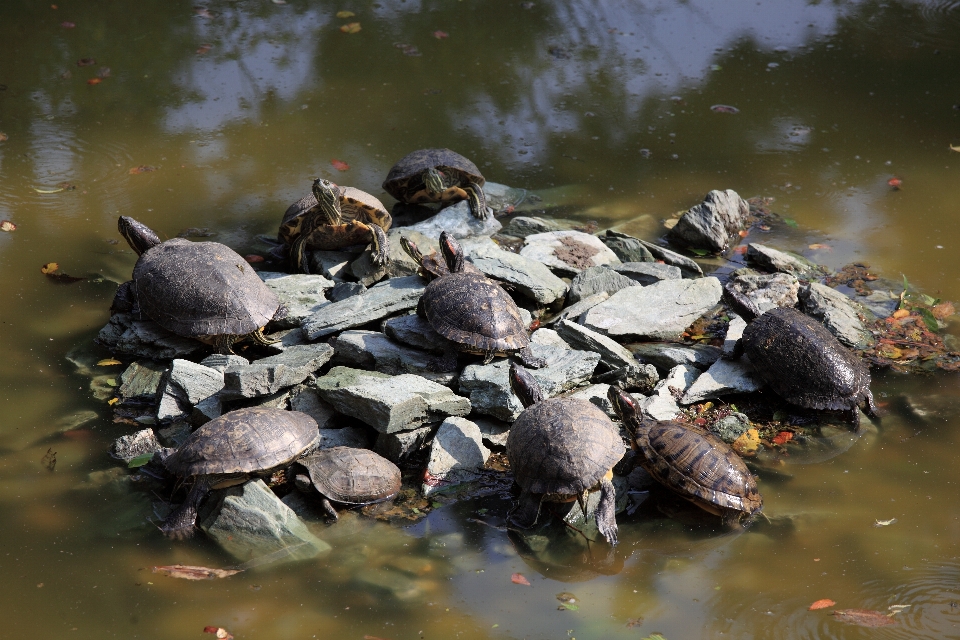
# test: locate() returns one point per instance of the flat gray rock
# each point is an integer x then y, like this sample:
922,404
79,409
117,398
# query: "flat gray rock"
595,394
635,377
380,301
723,378
222,361
580,337
144,338
523,226
489,386
300,293
755,293
308,401
130,446
667,355
712,223
648,272
688,267
374,350
415,331
457,220
358,437
838,313
733,335
141,380
529,277
389,403
627,248
575,311
770,259
197,381
662,403
456,455
595,280
397,446
344,290
332,264
568,252
658,311
494,432
270,375
548,337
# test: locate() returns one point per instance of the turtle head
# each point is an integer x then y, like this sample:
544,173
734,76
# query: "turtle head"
452,252
411,248
525,386
328,195
433,181
139,236
626,407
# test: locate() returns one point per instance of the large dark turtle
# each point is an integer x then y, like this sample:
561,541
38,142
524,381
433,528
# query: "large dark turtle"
559,450
473,311
349,475
333,217
806,365
437,175
201,290
230,449
694,463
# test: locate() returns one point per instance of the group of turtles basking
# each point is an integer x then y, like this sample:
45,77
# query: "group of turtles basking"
559,449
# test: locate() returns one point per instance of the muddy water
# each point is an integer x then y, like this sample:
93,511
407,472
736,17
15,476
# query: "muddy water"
238,105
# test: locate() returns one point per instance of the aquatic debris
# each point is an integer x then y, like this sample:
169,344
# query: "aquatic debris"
884,523
204,48
518,578
440,35
655,636
863,617
724,108
49,460
51,269
220,632
144,168
86,62
140,460
67,25
854,275
6,225
819,246
94,81
340,165
634,622
407,49
568,601
895,183
188,572
748,443
351,27
108,362
345,14
953,148
203,12
253,258
823,603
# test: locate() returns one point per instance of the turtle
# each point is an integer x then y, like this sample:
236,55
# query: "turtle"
694,463
228,450
437,175
473,311
201,290
806,365
348,475
432,265
333,217
559,450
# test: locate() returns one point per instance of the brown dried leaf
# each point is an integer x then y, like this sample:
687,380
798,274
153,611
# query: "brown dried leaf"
49,460
94,81
108,362
821,604
863,617
6,225
86,62
188,572
518,578
144,168
351,27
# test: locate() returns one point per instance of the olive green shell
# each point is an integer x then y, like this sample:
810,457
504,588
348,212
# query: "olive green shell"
804,363
405,181
698,465
245,441
198,289
351,475
562,445
355,205
474,312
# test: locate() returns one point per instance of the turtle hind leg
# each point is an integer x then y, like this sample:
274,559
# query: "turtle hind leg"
478,202
869,405
607,512
381,245
181,523
223,343
525,512
258,337
328,509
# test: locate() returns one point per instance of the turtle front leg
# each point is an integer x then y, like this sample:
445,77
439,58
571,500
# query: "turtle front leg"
381,245
299,256
258,337
478,201
181,523
525,512
328,509
529,360
224,343
607,511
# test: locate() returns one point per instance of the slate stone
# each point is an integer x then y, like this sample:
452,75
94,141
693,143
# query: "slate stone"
770,259
249,521
662,403
575,311
197,381
283,340
754,293
494,432
456,455
206,410
380,301
270,375
731,427
308,401
489,386
523,226
528,277
568,252
457,220
300,293
174,435
723,378
733,335
636,377
374,350
222,361
144,338
595,394
548,337
415,331
141,381
627,248
712,223
648,272
389,403
580,337
658,311
688,267
356,436
344,290
399,445
594,280
332,264
130,446
667,355
838,313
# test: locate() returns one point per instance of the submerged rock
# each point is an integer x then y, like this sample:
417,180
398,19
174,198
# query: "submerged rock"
711,224
568,252
380,301
456,455
771,259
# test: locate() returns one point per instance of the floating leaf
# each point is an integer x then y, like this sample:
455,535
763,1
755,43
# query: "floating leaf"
136,463
748,443
790,222
700,252
884,523
202,49
50,267
345,14
566,606
817,246
655,636
953,148
108,362
45,191
144,168
634,622
67,25
188,572
220,632
94,81
863,617
897,608
895,183
372,638
724,108
351,27
340,165
742,249
407,49
6,225
783,437
86,62
113,401
566,596
49,460
440,35
821,604
517,578
3,137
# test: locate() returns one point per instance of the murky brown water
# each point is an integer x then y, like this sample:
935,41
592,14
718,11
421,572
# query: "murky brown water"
834,99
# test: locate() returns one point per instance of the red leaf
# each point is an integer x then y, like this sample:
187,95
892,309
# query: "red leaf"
253,258
821,604
144,168
518,578
67,25
741,249
94,80
863,617
896,183
340,165
372,638
440,35
782,438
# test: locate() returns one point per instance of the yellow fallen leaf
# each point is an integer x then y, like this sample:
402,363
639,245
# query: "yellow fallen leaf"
350,27
50,267
47,190
345,14
107,362
113,401
748,443
953,148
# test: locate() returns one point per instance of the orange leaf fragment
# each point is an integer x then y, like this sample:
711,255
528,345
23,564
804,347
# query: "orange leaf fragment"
50,267
188,572
204,48
340,165
518,578
6,225
817,246
900,313
94,80
440,35
3,137
144,168
220,632
783,437
821,604
895,183
863,617
252,258
350,27
741,249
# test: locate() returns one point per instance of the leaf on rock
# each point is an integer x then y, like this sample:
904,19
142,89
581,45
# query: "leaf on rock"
518,578
821,604
440,35
144,168
863,617
188,572
748,443
6,225
345,14
138,462
340,165
351,27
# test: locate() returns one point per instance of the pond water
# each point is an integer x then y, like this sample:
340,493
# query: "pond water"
238,105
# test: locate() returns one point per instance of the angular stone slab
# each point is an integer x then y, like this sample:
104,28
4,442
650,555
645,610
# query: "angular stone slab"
667,355
332,264
195,380
838,313
380,301
638,377
580,337
568,252
270,375
733,335
648,272
308,401
300,293
594,280
523,226
687,266
397,446
456,455
712,223
493,431
755,293
144,338
141,381
575,311
723,378
357,436
344,290
595,394
771,259
656,312
529,277
627,248
661,404
222,361
136,444
458,220
548,337
374,350
389,403
415,331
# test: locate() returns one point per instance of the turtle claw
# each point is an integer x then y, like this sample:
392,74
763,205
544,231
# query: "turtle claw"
529,360
381,246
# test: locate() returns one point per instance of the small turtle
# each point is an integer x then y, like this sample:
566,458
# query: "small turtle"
201,290
348,475
560,449
437,175
806,365
432,265
694,463
229,449
333,217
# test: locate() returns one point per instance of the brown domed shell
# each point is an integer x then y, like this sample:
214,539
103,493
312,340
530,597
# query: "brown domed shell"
405,178
562,445
245,441
351,475
354,205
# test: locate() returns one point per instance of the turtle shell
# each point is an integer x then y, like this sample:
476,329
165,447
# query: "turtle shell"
698,465
405,180
245,441
197,289
352,476
562,445
355,205
803,362
474,312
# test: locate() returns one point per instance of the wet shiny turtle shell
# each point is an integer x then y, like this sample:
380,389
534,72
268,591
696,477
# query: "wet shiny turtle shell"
699,466
562,446
355,206
804,363
474,312
200,289
351,475
245,441
405,180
